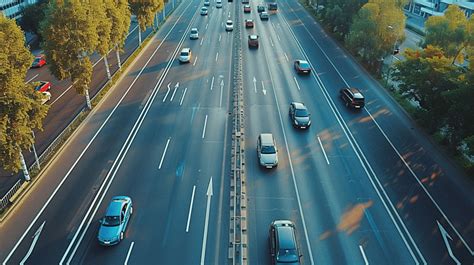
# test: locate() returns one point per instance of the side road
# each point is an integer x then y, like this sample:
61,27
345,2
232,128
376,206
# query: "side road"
66,104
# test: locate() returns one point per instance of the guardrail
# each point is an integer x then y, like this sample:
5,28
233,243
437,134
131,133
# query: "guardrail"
238,241
44,157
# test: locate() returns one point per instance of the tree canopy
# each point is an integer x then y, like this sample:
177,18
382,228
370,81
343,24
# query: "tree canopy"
145,11
20,108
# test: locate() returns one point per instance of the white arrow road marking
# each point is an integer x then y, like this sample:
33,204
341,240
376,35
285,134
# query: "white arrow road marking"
445,236
363,255
206,224
255,84
190,208
31,79
35,239
222,90
169,89
263,89
296,81
182,98
204,129
164,153
212,82
174,92
128,253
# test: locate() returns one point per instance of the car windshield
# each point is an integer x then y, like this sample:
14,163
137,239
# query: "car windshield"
268,149
304,65
229,23
194,31
111,221
358,96
287,256
37,60
301,113
184,53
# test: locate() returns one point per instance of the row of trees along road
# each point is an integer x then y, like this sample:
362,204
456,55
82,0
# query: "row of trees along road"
71,31
431,76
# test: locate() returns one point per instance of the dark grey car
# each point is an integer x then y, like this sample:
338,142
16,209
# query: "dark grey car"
299,115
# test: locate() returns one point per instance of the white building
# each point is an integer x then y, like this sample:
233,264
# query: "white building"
426,8
12,8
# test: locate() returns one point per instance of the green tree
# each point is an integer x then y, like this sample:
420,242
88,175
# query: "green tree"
145,10
452,32
337,15
32,15
100,13
376,28
426,76
70,37
119,14
20,108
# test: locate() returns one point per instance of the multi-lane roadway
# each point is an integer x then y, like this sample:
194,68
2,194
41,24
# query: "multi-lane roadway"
362,187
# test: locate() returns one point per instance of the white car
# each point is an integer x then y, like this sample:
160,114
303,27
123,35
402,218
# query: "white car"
194,34
185,55
45,97
207,3
204,11
219,4
229,25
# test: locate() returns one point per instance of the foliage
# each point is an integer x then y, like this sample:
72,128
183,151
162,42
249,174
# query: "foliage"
20,108
99,12
70,38
145,11
119,14
453,33
378,25
338,14
32,16
443,90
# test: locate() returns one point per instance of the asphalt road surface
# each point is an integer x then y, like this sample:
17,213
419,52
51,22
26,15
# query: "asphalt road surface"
363,187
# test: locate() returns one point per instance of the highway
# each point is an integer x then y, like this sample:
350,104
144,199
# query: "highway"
362,187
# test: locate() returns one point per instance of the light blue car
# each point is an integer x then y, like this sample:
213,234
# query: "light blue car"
113,224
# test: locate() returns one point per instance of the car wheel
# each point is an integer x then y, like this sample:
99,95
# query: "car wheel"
131,210
121,236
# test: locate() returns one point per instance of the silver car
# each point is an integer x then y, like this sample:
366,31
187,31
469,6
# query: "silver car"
204,11
194,34
185,55
267,151
114,223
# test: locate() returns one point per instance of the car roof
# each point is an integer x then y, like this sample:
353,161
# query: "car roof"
114,208
203,8
356,93
299,105
266,138
286,237
249,20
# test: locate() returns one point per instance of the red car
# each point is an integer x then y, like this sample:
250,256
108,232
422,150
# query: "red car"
247,9
249,23
43,86
253,41
302,66
39,61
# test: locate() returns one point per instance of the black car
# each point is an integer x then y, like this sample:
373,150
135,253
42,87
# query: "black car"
283,245
260,9
352,97
300,118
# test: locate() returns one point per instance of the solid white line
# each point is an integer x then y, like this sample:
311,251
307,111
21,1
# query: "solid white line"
86,148
129,252
190,208
360,156
212,82
62,94
296,81
31,79
286,56
222,90
174,92
164,153
166,95
324,152
195,60
363,255
204,129
182,98
201,41
35,239
217,56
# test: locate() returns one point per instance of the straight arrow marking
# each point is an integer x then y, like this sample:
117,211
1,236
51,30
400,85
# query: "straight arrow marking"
206,224
35,239
445,236
255,84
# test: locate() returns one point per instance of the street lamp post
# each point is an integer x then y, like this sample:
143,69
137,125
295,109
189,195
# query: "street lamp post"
391,54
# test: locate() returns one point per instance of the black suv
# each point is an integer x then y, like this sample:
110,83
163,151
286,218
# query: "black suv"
300,118
352,98
283,245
